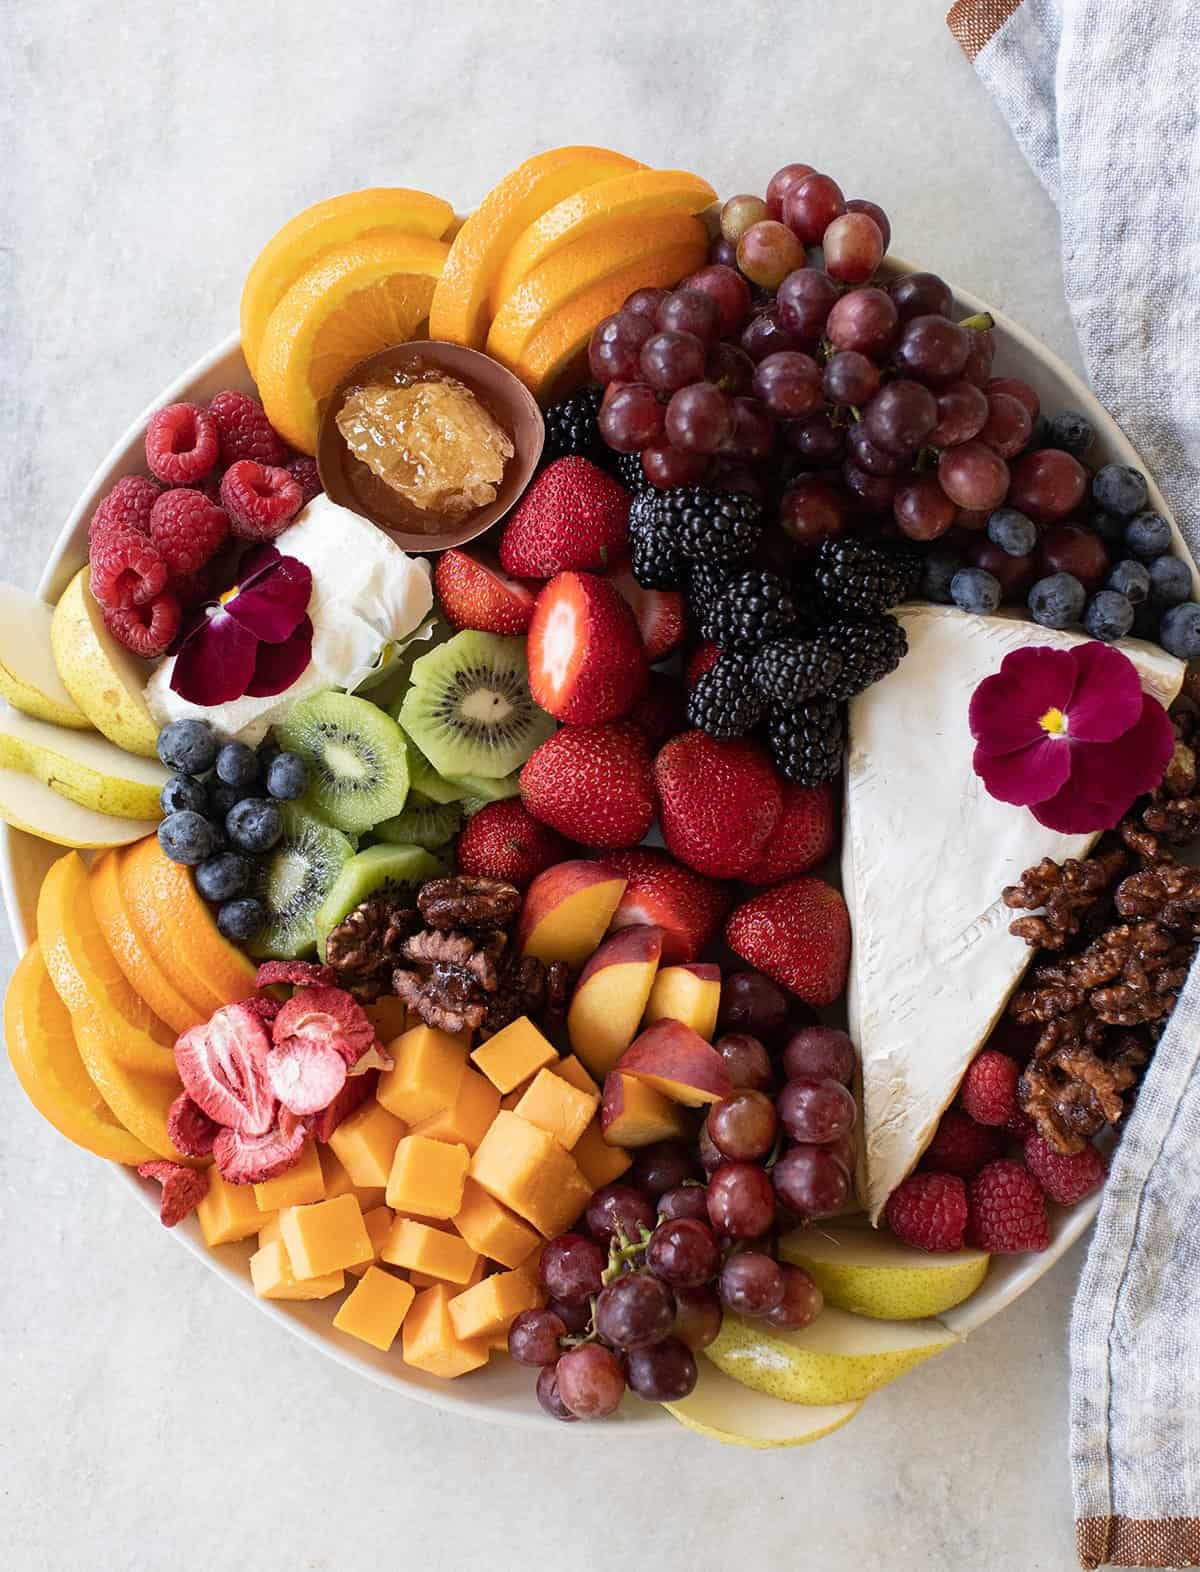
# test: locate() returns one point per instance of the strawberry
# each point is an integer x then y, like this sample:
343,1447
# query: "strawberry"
574,516
718,802
661,614
476,593
586,661
661,712
703,658
592,784
504,841
799,934
685,905
803,837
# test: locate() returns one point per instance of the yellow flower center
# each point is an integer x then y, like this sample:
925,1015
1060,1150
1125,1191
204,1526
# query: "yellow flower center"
1053,723
231,594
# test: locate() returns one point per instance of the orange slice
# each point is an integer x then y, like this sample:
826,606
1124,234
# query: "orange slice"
644,193
337,221
354,300
44,1054
566,275
133,955
178,930
460,302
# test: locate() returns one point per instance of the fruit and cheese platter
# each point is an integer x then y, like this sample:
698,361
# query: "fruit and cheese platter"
597,804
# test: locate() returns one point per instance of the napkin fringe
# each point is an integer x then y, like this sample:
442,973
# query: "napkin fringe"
975,23
1138,1541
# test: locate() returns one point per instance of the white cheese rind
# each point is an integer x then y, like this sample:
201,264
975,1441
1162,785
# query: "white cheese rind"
925,856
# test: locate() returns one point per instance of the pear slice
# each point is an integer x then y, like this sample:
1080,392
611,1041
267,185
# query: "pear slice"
29,678
28,805
88,769
875,1274
838,1359
724,1410
99,673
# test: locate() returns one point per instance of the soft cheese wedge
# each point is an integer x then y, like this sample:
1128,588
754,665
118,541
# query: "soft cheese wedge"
925,857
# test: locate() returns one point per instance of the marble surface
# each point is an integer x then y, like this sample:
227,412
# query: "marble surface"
149,1418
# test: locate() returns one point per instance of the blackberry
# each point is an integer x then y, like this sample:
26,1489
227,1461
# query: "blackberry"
653,555
712,526
791,670
869,649
627,467
753,606
571,427
864,579
725,701
706,583
806,743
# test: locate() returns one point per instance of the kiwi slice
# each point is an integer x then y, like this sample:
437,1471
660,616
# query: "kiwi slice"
400,870
293,880
469,708
479,787
426,781
421,824
356,756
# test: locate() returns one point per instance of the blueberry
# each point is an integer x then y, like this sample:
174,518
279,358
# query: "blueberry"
1131,579
180,792
1180,631
241,919
187,746
221,798
1109,615
1013,531
287,777
187,837
1110,529
1170,580
237,765
221,877
1119,489
254,824
1071,431
1057,601
1148,536
974,589
938,568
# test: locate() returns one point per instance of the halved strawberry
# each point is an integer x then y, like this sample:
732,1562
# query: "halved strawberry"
687,907
661,614
574,516
586,661
475,592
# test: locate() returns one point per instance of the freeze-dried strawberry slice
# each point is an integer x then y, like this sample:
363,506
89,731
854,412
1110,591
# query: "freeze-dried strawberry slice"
189,1129
302,974
327,1016
251,1159
357,1090
223,1067
305,1073
290,1122
182,1189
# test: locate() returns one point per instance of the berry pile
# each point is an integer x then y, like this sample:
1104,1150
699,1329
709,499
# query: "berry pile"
221,810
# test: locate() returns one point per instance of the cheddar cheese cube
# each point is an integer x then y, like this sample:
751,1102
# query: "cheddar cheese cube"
298,1185
365,1143
228,1211
389,1016
269,1231
375,1309
429,1341
572,1069
425,1077
599,1162
466,1123
325,1237
524,1168
377,1222
427,1177
514,1054
418,1247
491,1306
427,1280
492,1229
555,1105
510,1100
338,1182
273,1278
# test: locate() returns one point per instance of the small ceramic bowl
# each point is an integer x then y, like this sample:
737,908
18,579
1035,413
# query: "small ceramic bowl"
348,480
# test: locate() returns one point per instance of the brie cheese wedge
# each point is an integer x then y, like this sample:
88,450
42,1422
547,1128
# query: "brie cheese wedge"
925,857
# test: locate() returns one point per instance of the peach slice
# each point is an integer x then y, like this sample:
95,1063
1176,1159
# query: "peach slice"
567,910
690,993
611,995
633,1113
677,1061
44,1054
133,955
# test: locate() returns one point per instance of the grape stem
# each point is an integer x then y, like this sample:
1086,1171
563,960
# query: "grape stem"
981,322
622,1251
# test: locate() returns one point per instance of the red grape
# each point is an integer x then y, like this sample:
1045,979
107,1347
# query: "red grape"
972,519
645,303
850,378
802,1300
844,1149
662,1166
743,1126
863,319
767,253
548,1394
789,384
811,205
816,438
591,1381
1015,574
533,1337
665,466
730,368
671,360
697,1316
815,1109
1048,485
710,1157
730,292
820,1051
804,301
764,335
635,1311
811,1182
747,1061
632,418
753,434
739,212
962,410
919,294
870,456
722,252
877,493
687,1200
974,477
683,1252
615,345
978,368
700,419
813,509
1074,549
575,1314
740,1202
1008,427
751,1283
571,1267
664,1373
619,1207
781,182
732,475
922,509
688,310
901,416
872,210
932,348
1017,389
853,248
751,1002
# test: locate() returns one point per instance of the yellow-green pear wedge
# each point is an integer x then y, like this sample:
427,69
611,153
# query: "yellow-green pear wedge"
874,1274
29,678
724,1410
79,765
838,1359
99,673
28,805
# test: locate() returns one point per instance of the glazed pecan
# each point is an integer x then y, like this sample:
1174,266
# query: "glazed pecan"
449,978
467,903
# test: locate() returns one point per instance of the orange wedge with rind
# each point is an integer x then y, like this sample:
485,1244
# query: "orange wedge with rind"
355,300
133,955
337,221
460,311
44,1054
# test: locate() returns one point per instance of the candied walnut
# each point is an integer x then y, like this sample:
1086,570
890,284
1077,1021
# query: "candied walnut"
1071,893
1071,1091
1168,892
450,977
1180,777
530,987
364,946
466,903
1177,821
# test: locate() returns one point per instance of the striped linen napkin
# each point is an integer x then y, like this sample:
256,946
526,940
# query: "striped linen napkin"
1103,97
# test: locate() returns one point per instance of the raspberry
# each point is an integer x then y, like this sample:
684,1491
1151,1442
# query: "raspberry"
1020,1125
244,430
181,444
146,630
304,470
188,529
261,500
127,569
929,1211
989,1088
1006,1210
128,505
960,1146
1065,1178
